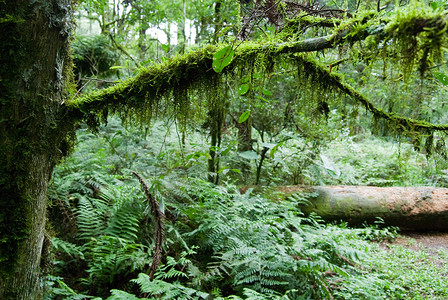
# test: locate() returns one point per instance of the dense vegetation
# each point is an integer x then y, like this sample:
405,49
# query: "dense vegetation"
224,241
229,230
191,119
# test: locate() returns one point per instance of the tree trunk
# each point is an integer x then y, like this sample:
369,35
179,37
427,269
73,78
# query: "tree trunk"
245,140
216,117
218,21
410,208
35,75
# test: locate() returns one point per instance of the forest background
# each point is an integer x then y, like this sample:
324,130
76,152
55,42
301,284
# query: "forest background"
221,226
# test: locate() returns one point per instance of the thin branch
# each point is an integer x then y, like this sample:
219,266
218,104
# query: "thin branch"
97,79
119,47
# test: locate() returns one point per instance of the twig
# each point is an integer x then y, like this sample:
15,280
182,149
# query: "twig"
78,91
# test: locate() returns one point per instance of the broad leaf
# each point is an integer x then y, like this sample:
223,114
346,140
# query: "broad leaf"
442,77
222,58
275,149
166,48
268,145
267,92
330,165
244,116
248,154
438,5
244,88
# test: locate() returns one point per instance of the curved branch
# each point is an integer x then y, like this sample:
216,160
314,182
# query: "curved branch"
335,80
195,70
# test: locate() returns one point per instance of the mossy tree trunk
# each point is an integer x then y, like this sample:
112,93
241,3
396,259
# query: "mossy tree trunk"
35,66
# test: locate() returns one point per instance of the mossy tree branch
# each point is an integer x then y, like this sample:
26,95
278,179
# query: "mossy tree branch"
336,81
194,71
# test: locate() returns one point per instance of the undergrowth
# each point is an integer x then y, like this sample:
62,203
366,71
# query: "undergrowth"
221,241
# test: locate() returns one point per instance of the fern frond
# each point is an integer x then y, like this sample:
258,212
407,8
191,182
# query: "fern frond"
125,222
159,232
89,219
164,290
173,273
121,295
67,248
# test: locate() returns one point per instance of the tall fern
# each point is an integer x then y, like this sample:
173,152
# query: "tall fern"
265,246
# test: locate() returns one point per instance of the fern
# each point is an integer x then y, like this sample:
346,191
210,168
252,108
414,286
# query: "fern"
248,247
67,248
165,290
121,295
108,229
125,222
57,288
90,219
264,246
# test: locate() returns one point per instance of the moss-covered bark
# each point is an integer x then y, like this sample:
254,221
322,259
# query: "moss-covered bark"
35,124
421,28
410,208
34,66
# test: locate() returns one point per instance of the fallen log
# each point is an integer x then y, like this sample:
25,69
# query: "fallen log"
410,208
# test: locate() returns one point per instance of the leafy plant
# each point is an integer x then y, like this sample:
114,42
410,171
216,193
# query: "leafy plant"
226,241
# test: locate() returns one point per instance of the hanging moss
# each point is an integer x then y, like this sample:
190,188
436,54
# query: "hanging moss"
167,87
418,32
156,89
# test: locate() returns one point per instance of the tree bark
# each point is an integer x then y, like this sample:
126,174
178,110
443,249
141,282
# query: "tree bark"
218,21
35,76
410,208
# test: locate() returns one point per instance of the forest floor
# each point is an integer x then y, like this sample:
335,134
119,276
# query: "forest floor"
427,240
431,242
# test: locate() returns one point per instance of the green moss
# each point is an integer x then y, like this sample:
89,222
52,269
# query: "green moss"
11,19
155,87
294,27
32,121
417,32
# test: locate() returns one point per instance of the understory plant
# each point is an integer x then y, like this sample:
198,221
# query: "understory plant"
223,241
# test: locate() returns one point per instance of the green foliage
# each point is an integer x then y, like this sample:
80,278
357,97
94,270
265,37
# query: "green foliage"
93,55
219,241
222,58
107,218
441,77
378,162
259,248
248,246
417,46
244,116
57,288
106,240
163,287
